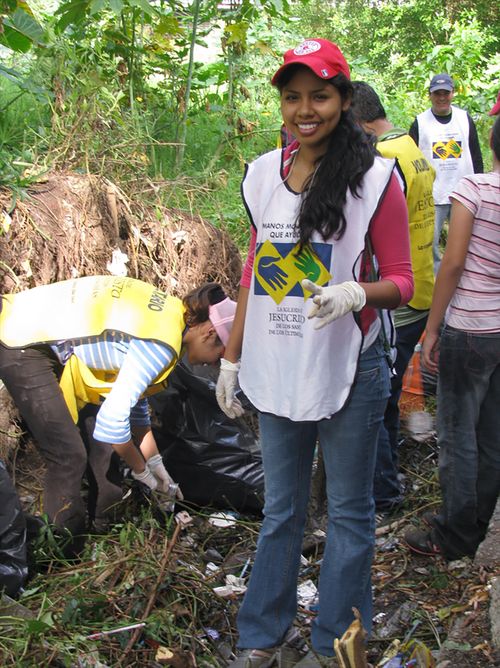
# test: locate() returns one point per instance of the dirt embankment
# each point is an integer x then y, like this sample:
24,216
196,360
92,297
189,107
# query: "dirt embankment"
73,225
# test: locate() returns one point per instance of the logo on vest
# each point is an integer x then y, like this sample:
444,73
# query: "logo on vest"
444,150
307,47
279,268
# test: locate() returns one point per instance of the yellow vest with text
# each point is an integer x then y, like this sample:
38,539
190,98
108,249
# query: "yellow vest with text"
418,175
89,307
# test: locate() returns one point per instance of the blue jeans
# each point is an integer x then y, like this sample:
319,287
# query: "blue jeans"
442,213
386,487
348,441
468,428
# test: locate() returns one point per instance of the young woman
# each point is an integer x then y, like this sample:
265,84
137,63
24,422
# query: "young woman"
107,341
467,298
327,216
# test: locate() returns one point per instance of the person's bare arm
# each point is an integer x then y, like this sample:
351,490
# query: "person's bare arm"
131,455
382,294
233,349
450,271
144,439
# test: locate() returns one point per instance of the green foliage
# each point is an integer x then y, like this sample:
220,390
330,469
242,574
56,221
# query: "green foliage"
397,47
21,115
122,95
7,7
49,544
109,588
77,12
22,83
19,29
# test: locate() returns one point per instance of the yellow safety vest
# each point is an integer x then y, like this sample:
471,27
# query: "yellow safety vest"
418,175
87,307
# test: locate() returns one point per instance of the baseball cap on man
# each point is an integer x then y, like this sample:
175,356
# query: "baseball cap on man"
441,82
321,56
496,107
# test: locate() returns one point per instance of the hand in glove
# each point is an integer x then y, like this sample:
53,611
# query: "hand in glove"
225,390
334,301
157,468
146,477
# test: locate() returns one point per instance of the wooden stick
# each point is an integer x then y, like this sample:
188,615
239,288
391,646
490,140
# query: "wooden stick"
152,597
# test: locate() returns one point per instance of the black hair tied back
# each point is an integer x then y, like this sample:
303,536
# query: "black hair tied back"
216,293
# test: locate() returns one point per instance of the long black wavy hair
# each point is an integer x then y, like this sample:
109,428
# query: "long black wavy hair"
349,155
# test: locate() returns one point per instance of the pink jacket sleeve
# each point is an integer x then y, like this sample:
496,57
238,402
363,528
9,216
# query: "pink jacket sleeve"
390,236
246,275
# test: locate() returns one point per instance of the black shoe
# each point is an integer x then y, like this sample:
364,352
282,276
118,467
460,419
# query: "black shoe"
388,513
391,506
421,542
34,526
428,518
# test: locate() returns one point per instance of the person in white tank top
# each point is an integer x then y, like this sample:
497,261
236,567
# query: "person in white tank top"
447,136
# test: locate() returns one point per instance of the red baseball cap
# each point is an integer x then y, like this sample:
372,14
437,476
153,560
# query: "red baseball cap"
324,58
496,107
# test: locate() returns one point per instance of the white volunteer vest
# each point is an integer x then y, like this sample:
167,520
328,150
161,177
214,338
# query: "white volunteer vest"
287,367
446,147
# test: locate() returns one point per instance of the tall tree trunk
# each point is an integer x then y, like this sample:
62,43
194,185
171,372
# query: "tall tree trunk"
181,137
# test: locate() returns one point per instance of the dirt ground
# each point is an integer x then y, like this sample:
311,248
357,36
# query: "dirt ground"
70,226
415,598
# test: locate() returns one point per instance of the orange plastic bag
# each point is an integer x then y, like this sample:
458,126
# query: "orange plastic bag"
412,395
419,422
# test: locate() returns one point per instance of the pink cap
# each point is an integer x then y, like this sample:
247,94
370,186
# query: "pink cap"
221,316
496,107
321,56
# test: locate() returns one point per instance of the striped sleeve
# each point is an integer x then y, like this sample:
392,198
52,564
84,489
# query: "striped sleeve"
467,193
142,363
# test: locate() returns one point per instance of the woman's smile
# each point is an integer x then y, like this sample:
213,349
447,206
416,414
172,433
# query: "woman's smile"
307,128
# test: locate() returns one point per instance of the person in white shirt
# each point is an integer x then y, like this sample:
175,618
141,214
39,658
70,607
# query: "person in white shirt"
447,137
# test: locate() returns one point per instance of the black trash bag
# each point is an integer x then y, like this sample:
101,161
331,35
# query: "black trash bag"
215,460
13,558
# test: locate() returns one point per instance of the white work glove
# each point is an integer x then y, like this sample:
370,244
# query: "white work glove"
334,301
157,468
225,390
146,477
